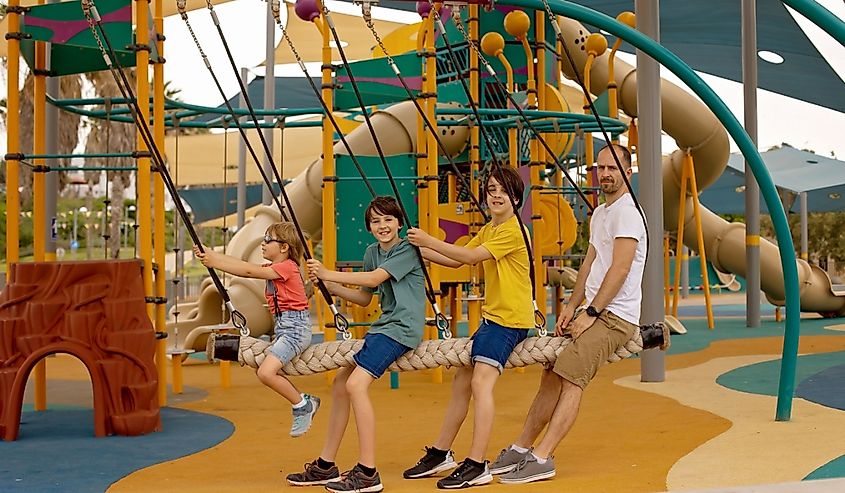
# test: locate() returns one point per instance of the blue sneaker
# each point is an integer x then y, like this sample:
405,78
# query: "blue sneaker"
303,416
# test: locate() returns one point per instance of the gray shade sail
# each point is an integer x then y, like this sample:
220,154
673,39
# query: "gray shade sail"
792,171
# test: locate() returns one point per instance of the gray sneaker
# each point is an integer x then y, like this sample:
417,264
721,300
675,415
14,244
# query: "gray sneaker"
303,416
529,470
507,460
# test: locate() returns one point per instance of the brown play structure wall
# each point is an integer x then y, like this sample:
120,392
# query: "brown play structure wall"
94,311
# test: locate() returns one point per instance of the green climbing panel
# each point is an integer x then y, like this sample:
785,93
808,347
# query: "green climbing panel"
73,49
352,198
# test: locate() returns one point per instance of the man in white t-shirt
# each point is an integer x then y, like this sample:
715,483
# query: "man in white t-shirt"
609,281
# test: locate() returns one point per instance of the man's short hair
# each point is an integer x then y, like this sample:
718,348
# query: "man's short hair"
386,206
622,153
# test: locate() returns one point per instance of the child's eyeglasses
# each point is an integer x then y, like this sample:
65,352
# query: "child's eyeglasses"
270,239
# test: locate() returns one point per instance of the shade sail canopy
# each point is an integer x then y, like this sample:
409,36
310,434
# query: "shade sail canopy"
201,158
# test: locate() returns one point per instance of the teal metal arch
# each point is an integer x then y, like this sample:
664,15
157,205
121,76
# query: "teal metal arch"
821,17
786,387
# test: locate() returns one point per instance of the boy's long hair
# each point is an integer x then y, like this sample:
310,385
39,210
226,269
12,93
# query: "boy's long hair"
386,206
512,183
286,232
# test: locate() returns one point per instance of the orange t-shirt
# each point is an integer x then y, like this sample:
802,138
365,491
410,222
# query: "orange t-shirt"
290,289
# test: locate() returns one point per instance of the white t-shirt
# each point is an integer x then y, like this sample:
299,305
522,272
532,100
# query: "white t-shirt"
620,220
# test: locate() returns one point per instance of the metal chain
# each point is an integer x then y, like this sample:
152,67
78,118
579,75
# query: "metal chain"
275,6
180,6
90,12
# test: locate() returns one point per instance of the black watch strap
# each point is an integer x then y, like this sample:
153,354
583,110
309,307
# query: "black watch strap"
591,311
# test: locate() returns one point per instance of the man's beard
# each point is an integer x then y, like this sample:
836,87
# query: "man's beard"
610,187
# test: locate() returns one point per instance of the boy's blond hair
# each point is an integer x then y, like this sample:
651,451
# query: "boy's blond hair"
285,231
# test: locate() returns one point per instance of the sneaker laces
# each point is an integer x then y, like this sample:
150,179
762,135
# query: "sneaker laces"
353,476
461,469
429,452
524,462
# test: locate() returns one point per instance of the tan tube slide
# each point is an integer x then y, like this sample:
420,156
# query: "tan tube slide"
695,127
396,129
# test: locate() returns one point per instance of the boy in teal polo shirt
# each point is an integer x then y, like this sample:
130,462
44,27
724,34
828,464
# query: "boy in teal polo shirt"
392,268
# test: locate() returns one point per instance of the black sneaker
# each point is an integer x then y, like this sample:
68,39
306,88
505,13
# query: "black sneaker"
432,462
356,480
466,475
313,475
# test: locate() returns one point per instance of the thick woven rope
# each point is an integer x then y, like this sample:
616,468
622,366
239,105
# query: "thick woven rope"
429,354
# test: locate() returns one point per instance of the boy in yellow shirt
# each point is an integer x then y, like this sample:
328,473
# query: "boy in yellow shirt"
508,314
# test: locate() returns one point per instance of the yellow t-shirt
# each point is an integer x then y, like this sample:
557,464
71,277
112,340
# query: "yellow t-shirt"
507,292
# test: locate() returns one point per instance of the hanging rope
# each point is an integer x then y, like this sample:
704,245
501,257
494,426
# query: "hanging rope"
339,320
368,18
429,354
595,113
89,9
439,319
539,316
503,88
181,5
275,8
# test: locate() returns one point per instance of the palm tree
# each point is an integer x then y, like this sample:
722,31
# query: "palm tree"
69,87
108,136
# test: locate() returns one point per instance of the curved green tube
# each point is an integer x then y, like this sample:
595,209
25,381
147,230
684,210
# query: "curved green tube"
821,17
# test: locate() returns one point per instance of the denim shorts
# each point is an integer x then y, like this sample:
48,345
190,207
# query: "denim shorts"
378,352
493,343
291,335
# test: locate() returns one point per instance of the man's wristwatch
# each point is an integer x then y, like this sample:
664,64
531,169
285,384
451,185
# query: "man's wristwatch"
591,311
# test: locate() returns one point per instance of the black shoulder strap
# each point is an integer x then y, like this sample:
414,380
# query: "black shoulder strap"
271,288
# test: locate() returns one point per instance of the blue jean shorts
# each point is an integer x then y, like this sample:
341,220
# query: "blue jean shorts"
291,335
378,352
493,343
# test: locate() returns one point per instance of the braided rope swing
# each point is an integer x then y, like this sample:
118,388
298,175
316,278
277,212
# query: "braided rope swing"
332,355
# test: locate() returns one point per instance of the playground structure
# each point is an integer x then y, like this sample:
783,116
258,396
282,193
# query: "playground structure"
324,208
91,310
687,120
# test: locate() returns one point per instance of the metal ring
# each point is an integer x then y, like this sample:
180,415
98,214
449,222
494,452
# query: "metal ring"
540,323
239,321
442,325
342,325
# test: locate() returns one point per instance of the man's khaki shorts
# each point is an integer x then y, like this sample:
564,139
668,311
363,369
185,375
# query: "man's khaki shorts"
580,360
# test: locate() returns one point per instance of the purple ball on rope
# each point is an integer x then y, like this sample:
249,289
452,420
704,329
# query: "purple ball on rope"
424,8
307,10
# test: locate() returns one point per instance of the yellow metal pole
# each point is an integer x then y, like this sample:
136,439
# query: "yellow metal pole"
145,232
158,190
431,209
474,293
612,91
39,218
696,207
329,229
558,177
680,242
513,145
588,137
176,360
13,199
538,154
612,101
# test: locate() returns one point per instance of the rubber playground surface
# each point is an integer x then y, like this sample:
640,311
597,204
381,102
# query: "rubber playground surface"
709,425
